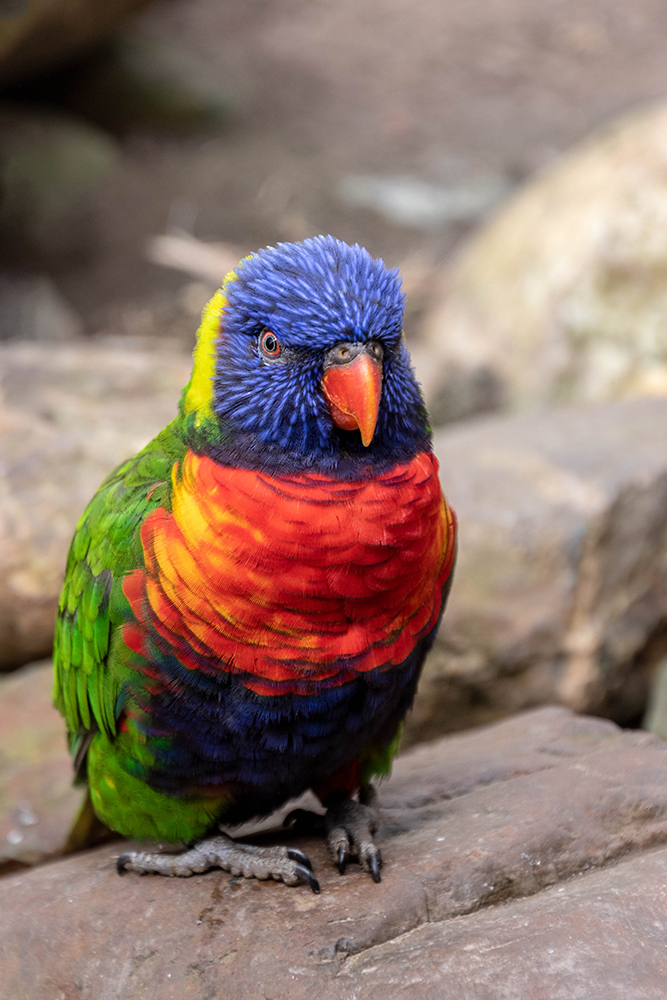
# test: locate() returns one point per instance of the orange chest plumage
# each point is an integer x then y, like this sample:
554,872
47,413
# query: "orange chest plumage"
292,579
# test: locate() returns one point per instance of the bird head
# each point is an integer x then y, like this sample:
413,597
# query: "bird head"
300,363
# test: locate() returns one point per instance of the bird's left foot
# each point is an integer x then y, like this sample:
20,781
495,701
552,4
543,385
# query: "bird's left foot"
284,864
350,829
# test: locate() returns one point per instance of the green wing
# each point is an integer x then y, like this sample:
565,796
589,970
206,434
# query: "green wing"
106,546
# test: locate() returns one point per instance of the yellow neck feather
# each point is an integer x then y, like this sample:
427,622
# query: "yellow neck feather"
198,396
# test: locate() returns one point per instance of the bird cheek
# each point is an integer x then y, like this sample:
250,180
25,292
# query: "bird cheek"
352,392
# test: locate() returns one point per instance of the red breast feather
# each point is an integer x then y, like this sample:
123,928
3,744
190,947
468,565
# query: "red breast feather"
295,579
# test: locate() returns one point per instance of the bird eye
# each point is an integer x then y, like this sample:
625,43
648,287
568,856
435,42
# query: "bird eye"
269,344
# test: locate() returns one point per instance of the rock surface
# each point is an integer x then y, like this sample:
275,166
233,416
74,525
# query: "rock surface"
70,413
38,802
566,816
560,592
562,297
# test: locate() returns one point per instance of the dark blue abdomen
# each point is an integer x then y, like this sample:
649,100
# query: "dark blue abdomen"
209,732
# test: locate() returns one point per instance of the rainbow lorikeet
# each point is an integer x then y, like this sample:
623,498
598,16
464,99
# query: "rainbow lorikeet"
249,600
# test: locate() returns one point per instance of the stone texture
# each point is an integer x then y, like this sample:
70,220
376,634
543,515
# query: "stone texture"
560,592
562,297
70,413
38,801
469,822
599,938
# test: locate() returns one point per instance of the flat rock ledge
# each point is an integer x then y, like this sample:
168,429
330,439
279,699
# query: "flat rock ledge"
527,859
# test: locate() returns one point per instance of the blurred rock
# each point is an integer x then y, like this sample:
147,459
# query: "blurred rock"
411,201
32,308
562,297
71,413
560,592
45,33
38,801
208,261
50,166
468,822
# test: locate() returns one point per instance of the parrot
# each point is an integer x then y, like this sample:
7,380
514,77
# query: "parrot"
249,600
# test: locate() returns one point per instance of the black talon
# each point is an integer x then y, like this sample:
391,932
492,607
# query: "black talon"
294,854
121,861
306,875
375,867
342,860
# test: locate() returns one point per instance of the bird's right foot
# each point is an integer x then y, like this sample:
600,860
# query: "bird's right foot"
350,829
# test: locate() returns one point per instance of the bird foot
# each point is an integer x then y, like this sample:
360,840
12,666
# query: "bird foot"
350,829
284,864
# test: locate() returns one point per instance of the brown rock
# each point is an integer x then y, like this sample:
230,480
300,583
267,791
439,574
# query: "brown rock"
469,821
560,592
597,938
71,413
38,801
561,298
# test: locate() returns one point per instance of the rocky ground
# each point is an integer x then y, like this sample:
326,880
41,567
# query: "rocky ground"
525,860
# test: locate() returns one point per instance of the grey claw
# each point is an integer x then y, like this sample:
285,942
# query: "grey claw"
342,860
374,863
121,861
296,855
306,875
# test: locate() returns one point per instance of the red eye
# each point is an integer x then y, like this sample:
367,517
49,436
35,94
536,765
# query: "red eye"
270,344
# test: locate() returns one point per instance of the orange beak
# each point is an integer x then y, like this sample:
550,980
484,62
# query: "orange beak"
353,392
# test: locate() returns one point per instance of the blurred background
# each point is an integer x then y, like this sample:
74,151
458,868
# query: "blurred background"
396,125
510,156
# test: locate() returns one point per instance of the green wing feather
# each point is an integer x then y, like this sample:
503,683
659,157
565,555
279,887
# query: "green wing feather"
89,669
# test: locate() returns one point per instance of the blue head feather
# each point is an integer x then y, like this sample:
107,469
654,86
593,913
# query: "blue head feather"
311,295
